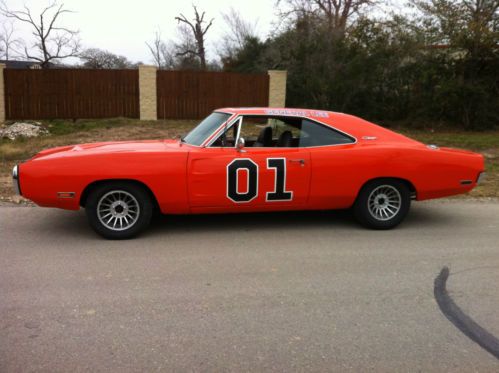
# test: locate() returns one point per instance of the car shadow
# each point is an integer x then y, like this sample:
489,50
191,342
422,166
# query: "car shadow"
421,216
252,221
75,225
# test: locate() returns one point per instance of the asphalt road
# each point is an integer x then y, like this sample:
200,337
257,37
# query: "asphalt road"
278,292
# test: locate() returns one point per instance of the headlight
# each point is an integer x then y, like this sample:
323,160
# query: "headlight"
15,180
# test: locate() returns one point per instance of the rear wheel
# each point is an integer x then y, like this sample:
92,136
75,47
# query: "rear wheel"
119,210
382,204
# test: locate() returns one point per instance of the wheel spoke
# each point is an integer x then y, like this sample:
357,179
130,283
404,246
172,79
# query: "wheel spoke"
384,202
118,210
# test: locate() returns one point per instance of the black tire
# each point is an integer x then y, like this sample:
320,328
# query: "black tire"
376,206
133,204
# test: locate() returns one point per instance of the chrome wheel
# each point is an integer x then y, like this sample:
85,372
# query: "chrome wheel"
118,210
384,202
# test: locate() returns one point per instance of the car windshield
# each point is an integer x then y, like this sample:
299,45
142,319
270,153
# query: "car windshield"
204,129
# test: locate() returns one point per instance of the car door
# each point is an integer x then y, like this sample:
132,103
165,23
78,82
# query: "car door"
254,178
338,165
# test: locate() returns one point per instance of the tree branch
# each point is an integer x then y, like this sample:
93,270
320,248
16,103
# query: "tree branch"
63,45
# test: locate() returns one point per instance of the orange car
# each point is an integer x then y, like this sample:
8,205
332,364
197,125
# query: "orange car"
247,160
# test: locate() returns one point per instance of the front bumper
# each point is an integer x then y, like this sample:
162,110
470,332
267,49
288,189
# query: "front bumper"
15,180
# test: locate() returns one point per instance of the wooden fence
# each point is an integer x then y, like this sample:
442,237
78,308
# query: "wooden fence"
87,93
71,93
190,94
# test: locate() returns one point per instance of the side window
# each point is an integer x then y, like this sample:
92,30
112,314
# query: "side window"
228,138
256,131
315,134
279,126
266,131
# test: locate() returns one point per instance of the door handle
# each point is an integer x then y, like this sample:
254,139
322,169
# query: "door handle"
300,161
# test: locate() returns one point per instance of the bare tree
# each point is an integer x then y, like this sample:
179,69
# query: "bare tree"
239,32
198,27
336,13
52,42
239,29
185,42
9,44
155,49
163,53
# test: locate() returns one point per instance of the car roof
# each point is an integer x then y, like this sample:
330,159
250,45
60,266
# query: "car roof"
350,124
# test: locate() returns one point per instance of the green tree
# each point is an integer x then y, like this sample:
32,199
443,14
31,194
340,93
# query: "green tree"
468,32
96,58
438,68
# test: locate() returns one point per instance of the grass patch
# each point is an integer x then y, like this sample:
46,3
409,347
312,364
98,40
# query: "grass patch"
463,140
63,132
63,127
85,131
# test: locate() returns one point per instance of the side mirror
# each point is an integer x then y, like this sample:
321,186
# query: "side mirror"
240,144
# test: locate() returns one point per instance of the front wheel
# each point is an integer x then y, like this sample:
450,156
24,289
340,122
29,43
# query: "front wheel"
382,204
119,210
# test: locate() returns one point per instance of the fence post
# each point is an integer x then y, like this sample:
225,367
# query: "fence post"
2,94
277,88
147,92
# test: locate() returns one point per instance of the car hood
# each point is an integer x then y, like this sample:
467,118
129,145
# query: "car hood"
109,148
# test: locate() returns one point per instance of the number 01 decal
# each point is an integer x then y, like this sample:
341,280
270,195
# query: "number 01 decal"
279,193
250,168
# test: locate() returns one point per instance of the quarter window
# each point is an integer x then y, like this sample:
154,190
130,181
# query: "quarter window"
314,134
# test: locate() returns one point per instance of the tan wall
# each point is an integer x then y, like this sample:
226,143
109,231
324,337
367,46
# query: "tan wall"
277,88
2,94
147,91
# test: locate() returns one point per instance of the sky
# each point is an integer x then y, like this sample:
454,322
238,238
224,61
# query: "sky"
123,27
